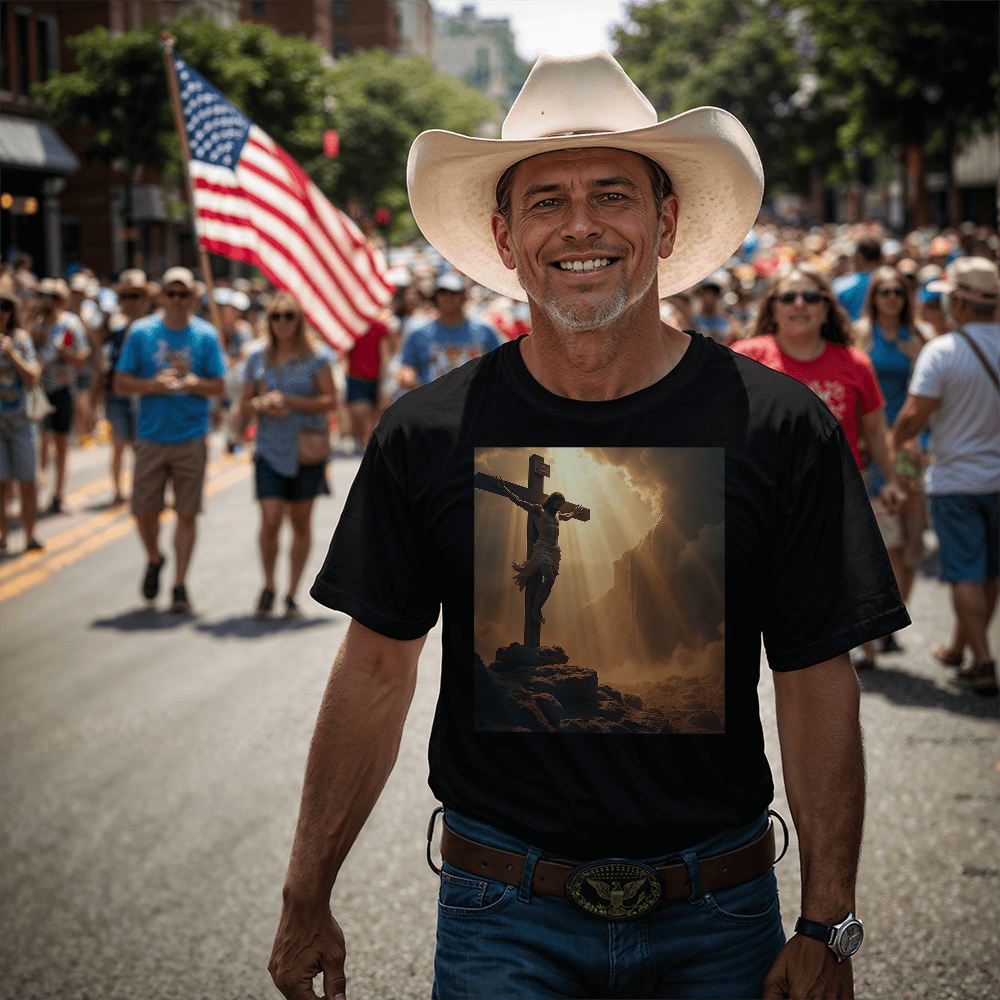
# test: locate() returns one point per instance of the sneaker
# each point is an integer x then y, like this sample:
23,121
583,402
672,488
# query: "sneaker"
265,603
292,610
181,605
34,545
56,507
151,581
980,677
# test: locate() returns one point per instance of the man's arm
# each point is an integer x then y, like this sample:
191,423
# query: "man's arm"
823,762
523,504
912,418
354,748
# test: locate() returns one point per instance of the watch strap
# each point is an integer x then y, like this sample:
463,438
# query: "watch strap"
812,929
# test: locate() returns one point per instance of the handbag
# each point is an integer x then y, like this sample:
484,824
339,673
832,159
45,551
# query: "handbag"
314,445
36,403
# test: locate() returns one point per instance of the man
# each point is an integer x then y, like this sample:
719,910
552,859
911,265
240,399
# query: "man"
851,288
445,342
135,294
710,320
62,347
591,210
173,363
955,386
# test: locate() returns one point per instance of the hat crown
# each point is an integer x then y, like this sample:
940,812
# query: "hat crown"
577,95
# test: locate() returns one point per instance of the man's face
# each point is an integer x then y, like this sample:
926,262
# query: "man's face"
49,305
177,300
584,234
134,303
450,305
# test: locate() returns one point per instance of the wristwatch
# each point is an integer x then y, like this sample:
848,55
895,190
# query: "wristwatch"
843,939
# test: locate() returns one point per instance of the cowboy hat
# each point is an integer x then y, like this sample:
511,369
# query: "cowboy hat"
133,278
585,102
975,279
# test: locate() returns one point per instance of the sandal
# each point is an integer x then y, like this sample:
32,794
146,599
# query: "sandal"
940,653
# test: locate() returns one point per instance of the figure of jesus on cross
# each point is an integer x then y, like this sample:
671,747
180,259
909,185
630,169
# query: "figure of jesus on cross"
540,567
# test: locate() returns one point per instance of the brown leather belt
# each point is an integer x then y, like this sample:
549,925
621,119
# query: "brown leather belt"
550,877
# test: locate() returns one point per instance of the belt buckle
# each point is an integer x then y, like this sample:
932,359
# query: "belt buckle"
614,889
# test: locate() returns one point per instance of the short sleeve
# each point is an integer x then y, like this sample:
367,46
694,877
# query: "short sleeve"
412,350
376,569
926,380
215,365
252,368
832,585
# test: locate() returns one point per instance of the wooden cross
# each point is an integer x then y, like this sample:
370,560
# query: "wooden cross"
538,471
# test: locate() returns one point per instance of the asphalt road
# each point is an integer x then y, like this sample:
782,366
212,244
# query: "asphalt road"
152,765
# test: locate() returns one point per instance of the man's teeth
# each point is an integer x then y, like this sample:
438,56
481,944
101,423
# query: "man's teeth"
584,265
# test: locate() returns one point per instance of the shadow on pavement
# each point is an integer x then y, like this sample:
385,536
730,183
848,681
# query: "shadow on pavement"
902,688
251,627
144,620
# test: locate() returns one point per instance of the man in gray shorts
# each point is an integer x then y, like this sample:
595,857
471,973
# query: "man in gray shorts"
173,363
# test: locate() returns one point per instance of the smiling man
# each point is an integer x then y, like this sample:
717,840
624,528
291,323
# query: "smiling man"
619,864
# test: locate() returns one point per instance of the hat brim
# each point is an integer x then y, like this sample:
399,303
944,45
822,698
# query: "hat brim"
713,165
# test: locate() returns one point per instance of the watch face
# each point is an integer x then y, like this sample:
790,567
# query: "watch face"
850,939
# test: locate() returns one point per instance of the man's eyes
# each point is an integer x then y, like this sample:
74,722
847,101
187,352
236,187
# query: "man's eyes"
614,197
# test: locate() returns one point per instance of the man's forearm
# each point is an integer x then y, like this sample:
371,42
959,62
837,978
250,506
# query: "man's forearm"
353,750
823,761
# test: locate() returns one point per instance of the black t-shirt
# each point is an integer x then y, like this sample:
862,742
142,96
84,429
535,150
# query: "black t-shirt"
755,521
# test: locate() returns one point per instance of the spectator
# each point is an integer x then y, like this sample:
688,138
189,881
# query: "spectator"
135,295
235,335
955,386
288,385
850,289
446,342
709,319
888,332
365,362
932,321
19,371
62,347
173,363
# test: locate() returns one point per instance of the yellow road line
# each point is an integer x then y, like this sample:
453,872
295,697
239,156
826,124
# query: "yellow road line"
32,568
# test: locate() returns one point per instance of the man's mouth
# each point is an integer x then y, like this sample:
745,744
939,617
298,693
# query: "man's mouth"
584,265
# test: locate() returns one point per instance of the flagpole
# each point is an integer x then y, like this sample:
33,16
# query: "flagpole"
175,99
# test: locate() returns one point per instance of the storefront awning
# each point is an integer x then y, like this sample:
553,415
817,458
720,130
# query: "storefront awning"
33,145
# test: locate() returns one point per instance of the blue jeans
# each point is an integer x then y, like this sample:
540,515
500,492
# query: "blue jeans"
501,941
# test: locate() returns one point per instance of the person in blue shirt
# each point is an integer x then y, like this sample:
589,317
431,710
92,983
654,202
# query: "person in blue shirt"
446,342
851,288
174,364
889,332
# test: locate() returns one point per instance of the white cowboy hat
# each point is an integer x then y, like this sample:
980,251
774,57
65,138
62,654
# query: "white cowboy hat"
581,102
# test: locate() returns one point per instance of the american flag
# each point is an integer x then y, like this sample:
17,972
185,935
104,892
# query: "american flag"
254,203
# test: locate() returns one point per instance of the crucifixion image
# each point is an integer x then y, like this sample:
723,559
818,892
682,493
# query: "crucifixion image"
536,575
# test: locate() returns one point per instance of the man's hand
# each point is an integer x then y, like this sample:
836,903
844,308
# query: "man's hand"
893,497
807,970
6,346
166,380
305,946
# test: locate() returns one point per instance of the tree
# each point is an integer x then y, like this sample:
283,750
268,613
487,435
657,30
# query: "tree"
914,75
382,104
746,57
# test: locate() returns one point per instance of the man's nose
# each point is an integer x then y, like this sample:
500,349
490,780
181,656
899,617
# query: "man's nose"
582,221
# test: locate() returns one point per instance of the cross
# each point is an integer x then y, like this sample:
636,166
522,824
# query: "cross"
538,471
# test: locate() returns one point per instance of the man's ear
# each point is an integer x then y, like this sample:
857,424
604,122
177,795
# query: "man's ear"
669,209
501,237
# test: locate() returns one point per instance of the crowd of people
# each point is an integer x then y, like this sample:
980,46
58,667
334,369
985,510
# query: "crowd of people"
847,310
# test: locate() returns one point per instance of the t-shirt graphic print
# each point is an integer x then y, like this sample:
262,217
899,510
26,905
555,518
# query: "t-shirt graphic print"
602,609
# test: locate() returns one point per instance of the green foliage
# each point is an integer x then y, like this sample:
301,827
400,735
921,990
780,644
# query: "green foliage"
909,71
738,55
288,86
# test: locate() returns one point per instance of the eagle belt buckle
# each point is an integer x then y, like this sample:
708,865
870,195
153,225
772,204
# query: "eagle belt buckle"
614,889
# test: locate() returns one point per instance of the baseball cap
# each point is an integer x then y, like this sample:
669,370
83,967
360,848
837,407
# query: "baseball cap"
179,274
449,282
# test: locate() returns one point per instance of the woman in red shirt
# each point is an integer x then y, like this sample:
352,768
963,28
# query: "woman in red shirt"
801,330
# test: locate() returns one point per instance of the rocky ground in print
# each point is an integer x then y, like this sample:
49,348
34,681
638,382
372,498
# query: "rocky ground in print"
537,690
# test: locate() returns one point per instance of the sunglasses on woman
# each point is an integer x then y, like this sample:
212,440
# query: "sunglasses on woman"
810,298
884,293
286,316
